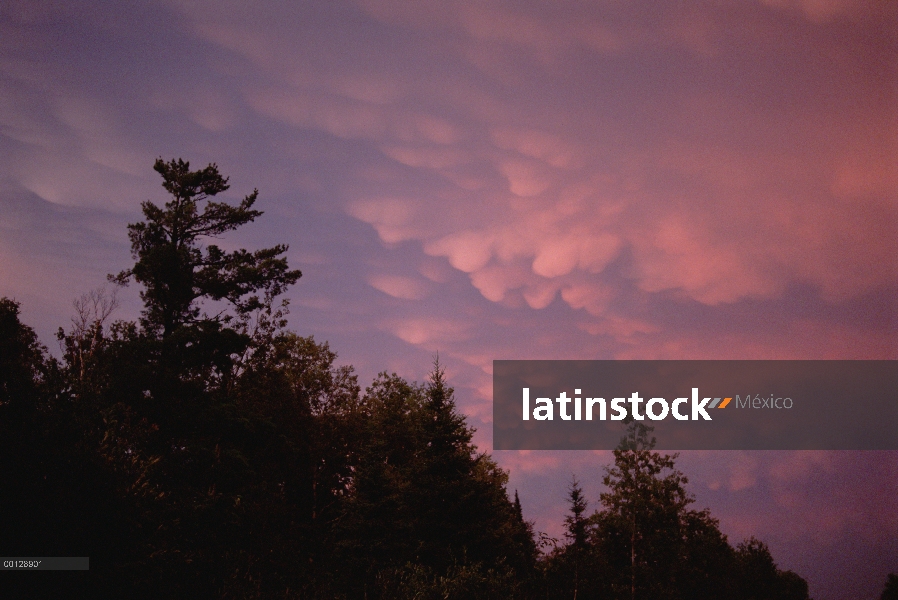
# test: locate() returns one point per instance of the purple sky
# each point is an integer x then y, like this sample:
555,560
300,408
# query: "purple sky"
489,180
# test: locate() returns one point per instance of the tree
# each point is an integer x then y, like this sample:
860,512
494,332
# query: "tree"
22,363
792,586
449,493
197,468
664,549
459,493
705,561
576,530
642,517
84,347
523,557
577,569
54,499
174,269
207,452
423,502
199,300
576,522
759,578
22,430
890,592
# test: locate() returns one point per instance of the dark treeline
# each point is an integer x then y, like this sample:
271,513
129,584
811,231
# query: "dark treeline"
208,452
647,542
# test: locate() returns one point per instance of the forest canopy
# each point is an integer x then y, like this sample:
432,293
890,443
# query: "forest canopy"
207,451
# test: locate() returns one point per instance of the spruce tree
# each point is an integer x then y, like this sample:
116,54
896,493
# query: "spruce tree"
576,531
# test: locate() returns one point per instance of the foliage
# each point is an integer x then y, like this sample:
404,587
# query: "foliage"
207,451
22,363
890,592
646,542
422,494
643,519
459,582
173,268
576,570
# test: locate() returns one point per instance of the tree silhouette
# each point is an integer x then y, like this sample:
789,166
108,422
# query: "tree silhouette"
576,530
424,504
172,266
22,366
207,451
759,578
198,299
643,510
890,592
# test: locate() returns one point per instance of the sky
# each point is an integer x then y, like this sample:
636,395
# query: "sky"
505,180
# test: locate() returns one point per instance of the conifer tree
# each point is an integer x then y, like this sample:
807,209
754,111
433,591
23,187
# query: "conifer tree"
890,592
172,265
576,531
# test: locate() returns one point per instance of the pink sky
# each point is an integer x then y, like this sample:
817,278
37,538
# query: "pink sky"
499,180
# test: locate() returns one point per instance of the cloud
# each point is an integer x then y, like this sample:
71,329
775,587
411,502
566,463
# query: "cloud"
430,331
716,209
391,217
51,254
527,180
398,286
826,10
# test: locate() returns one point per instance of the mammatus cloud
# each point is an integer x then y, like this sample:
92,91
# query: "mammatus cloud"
494,180
538,195
398,286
